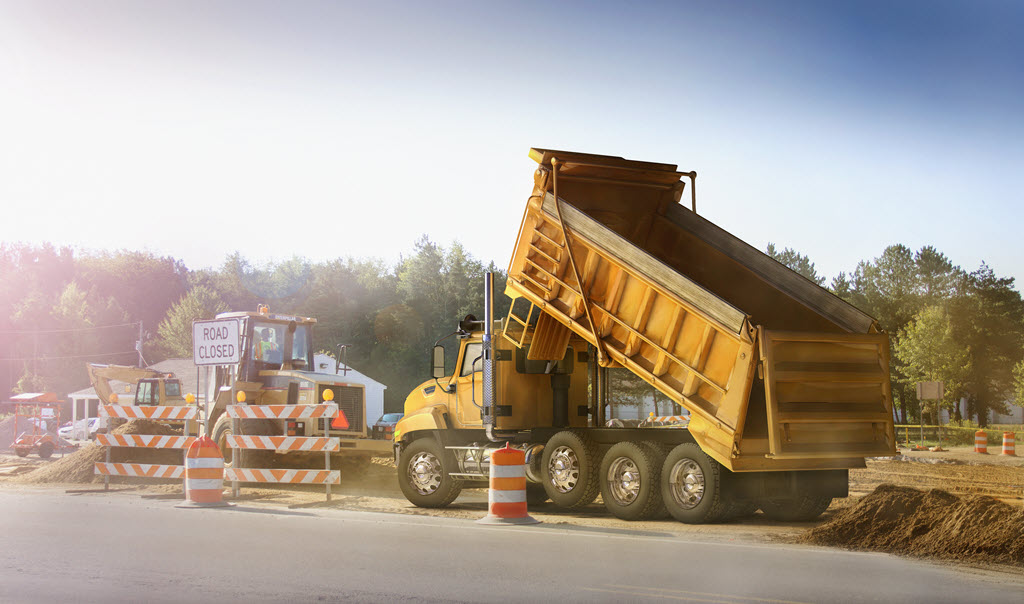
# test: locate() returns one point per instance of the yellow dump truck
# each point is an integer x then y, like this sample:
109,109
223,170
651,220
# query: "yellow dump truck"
786,385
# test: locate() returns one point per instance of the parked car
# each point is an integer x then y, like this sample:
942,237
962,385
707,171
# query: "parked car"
384,429
78,431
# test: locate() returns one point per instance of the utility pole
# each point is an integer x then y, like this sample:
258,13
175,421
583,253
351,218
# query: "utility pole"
138,346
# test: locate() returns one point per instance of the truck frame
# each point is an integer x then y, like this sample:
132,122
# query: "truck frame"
787,385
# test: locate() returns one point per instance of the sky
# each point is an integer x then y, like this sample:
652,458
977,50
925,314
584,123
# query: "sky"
349,129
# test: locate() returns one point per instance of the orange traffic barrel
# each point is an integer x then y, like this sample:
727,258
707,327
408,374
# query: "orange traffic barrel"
1008,443
980,442
204,475
506,499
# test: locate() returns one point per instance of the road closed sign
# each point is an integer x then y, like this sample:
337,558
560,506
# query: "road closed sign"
216,342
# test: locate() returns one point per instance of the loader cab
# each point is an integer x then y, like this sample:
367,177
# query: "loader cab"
157,391
272,342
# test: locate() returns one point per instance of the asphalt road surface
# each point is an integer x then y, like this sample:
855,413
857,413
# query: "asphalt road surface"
118,547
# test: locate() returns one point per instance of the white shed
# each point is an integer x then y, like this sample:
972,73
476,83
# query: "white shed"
374,389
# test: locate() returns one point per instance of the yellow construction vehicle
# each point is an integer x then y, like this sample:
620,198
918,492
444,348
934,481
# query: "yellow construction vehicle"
275,368
787,386
153,387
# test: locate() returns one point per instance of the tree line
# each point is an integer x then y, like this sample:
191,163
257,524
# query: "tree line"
963,328
60,309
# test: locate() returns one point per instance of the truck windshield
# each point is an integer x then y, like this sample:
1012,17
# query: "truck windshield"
300,347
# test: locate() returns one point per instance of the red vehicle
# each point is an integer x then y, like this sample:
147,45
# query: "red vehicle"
42,438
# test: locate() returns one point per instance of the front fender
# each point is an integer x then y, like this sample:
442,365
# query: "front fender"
426,418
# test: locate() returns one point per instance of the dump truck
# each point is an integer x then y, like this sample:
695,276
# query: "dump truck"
275,368
787,386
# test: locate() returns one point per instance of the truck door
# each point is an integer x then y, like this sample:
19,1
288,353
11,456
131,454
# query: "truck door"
469,389
144,394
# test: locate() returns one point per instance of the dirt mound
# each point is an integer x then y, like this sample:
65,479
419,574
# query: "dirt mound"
7,434
931,523
78,466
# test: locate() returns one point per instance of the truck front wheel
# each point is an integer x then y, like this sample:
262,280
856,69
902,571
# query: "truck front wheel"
569,470
691,485
423,475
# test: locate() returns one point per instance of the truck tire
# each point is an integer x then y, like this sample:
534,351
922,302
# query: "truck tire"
570,470
21,451
659,451
45,450
248,458
630,481
801,509
423,468
691,485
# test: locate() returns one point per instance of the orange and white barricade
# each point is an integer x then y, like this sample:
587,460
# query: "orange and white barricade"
327,444
144,441
506,497
980,442
1009,443
204,475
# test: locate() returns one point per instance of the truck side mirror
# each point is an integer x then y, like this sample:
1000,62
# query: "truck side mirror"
438,362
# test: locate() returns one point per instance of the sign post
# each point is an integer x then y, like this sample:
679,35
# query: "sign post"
931,391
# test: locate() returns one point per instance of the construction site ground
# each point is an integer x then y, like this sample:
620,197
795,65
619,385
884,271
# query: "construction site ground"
371,485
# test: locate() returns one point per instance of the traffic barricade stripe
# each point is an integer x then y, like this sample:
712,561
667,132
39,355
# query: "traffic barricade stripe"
283,476
158,413
286,443
139,470
282,411
145,440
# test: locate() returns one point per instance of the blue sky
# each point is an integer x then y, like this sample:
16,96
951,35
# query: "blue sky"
328,130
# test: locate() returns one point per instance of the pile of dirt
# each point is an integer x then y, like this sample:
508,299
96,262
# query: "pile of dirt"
934,523
78,466
7,434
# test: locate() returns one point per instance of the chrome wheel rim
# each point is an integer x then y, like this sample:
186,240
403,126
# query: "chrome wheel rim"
564,469
425,473
623,481
687,483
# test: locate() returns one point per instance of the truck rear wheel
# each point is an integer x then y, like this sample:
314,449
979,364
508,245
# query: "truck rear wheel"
423,474
569,470
691,485
630,485
800,509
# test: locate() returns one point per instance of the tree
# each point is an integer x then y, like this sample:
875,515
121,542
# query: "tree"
988,318
175,331
797,262
930,352
1018,384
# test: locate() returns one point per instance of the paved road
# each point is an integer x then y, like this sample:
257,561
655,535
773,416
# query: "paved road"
118,547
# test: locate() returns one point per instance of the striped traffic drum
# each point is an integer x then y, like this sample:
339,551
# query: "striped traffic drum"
204,475
506,498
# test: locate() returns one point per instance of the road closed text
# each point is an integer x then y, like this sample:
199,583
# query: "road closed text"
215,342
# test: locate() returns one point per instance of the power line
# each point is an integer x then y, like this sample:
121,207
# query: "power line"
40,331
75,356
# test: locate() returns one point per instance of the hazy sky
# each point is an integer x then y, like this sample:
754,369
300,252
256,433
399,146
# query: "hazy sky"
327,130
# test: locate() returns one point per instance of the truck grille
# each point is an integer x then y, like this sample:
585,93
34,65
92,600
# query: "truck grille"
350,402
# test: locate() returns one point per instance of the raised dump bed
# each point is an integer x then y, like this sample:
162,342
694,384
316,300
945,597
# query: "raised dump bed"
777,372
